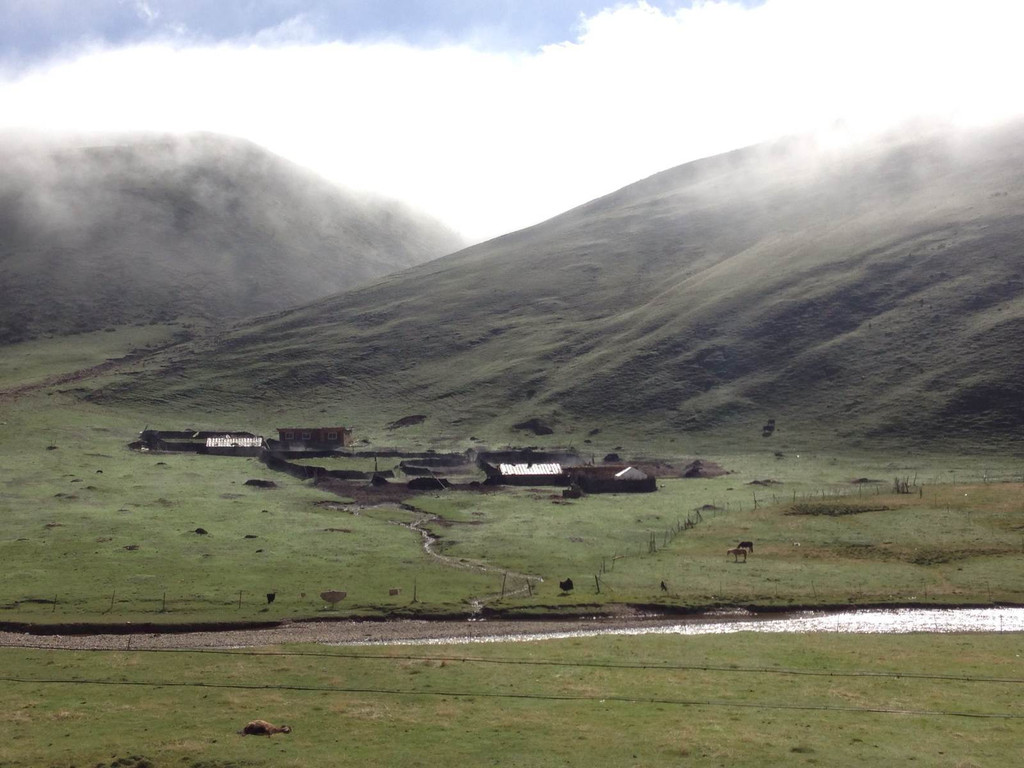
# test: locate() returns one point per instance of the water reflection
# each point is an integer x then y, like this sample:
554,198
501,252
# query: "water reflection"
898,621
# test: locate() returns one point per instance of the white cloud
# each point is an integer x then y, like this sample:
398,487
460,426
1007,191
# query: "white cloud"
491,142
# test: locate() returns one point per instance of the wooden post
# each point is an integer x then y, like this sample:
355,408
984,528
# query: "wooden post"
54,604
163,605
597,583
239,599
112,594
414,591
504,578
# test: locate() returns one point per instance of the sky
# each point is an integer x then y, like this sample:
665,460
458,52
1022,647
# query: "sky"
493,115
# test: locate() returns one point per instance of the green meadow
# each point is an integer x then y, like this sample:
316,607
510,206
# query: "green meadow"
734,700
96,532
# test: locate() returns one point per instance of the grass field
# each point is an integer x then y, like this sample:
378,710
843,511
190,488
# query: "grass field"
96,532
741,700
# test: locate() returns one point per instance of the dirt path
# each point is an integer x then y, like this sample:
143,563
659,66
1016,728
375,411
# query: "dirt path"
82,374
522,583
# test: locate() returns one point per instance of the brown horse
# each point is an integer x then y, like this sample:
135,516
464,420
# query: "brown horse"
736,552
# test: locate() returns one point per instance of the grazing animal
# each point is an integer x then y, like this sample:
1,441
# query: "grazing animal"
566,585
263,728
736,554
663,587
746,545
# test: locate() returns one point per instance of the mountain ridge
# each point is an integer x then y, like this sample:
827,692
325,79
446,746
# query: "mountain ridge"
784,281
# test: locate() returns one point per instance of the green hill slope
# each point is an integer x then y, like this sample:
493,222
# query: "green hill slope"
853,295
153,229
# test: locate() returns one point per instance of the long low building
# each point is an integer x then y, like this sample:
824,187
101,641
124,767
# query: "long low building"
525,474
319,436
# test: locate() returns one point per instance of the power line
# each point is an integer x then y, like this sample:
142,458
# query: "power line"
534,696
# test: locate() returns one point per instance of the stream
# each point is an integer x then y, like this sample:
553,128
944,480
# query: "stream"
869,621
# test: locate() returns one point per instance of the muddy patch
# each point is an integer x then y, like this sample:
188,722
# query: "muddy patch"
534,426
834,509
699,468
407,421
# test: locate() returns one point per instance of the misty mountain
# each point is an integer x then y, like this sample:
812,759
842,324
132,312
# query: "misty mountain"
151,229
870,292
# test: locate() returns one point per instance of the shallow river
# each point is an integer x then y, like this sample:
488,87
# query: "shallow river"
896,621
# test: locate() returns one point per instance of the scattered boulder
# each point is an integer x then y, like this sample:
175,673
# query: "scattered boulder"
534,425
612,458
261,483
251,536
200,531
333,596
407,421
701,468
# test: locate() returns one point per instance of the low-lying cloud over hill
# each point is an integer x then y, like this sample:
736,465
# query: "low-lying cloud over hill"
120,230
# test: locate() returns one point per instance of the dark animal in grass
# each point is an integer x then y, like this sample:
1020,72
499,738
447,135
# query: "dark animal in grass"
263,728
271,597
664,588
748,545
736,554
566,586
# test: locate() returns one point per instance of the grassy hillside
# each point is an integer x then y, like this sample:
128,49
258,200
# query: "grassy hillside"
855,295
136,230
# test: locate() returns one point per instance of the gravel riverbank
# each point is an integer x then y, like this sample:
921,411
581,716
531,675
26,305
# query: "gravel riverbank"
324,633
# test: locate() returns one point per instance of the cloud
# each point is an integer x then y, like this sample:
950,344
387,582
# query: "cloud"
492,141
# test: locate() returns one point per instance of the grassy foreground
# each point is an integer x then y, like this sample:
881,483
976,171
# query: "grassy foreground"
741,700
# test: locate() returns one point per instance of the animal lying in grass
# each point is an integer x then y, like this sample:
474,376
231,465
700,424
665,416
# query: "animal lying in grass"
263,728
